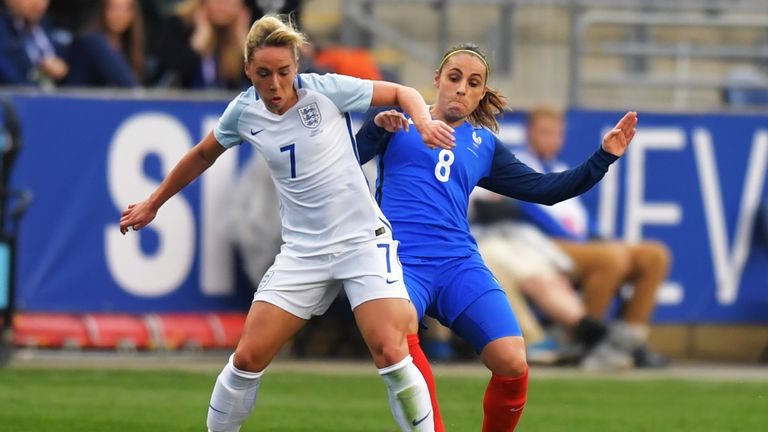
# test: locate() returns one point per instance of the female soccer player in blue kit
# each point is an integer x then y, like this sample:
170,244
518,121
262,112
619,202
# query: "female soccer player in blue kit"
424,193
332,228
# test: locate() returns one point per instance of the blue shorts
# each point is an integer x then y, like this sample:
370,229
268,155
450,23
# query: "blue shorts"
463,295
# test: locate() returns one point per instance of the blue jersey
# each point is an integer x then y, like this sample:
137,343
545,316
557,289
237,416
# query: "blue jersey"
425,193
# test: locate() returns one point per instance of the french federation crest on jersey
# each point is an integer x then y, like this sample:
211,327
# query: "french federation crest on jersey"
476,140
310,115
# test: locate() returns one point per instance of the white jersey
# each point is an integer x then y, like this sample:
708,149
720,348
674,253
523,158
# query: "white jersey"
325,203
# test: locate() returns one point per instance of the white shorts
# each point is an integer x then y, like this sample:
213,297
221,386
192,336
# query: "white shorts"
306,286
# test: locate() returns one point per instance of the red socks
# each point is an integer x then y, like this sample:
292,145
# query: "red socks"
420,360
504,397
504,402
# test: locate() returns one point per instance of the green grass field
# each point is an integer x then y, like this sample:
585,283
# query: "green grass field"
63,400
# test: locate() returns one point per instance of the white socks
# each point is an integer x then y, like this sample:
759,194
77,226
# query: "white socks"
408,396
233,398
628,336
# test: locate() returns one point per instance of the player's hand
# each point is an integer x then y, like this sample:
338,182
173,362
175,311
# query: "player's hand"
54,67
201,40
137,216
435,133
391,121
617,140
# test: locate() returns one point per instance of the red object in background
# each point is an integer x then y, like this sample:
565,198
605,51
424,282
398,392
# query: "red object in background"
173,331
122,331
45,330
117,331
228,327
349,61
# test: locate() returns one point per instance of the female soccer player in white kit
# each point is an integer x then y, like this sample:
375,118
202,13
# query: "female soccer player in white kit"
334,233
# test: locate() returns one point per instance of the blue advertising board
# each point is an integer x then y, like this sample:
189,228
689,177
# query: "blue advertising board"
692,181
85,160
695,182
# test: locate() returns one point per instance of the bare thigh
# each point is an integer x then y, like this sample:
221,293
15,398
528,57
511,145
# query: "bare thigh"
385,324
267,328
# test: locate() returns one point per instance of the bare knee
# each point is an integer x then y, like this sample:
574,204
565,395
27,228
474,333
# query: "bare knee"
657,255
618,259
505,357
387,342
387,350
250,359
537,284
512,366
384,324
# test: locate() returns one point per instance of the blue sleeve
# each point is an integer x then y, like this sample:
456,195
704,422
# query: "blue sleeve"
226,131
508,176
545,222
349,94
371,139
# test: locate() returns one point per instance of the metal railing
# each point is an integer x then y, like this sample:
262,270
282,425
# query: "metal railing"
633,15
683,80
361,13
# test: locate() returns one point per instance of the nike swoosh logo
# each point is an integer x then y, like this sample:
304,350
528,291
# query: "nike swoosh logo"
417,422
211,406
258,131
391,282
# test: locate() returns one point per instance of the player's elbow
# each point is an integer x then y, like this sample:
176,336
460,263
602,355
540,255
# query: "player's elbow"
204,158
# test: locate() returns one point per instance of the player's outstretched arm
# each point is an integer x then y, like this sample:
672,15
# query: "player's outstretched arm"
510,177
434,133
194,163
617,140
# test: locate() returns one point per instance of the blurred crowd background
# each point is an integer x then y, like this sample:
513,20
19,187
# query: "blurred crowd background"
682,54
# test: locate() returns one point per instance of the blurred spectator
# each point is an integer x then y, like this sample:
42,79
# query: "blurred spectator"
530,266
111,52
29,52
253,225
746,86
202,45
602,267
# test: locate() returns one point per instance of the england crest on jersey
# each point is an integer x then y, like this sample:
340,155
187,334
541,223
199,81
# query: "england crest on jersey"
310,115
